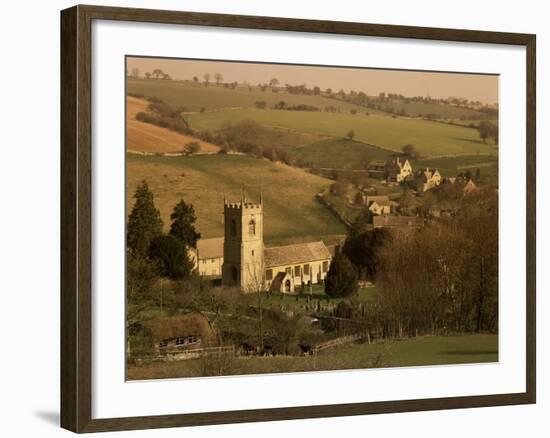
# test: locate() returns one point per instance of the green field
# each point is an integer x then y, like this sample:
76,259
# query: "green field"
196,96
292,213
339,153
420,109
452,166
436,350
429,138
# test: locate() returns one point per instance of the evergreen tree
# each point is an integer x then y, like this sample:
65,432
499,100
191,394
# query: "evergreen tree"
183,224
144,222
362,249
341,280
170,257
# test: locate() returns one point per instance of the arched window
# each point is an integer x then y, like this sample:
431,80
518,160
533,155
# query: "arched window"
252,228
233,228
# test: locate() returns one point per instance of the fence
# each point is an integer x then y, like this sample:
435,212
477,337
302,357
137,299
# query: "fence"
343,340
194,353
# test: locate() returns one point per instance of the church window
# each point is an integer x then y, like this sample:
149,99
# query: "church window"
325,266
252,253
252,228
288,270
306,269
235,273
269,274
297,271
233,228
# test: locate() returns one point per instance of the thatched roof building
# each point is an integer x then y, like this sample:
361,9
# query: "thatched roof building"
192,329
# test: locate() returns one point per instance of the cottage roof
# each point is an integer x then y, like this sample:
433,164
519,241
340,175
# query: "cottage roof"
182,325
296,254
397,221
210,248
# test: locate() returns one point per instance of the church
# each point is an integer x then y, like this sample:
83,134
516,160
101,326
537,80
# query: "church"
247,263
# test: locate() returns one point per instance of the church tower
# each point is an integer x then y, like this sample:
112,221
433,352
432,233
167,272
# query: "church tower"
243,246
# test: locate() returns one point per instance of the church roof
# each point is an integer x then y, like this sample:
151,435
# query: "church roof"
210,248
296,254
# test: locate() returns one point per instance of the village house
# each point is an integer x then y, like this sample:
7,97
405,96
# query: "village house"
427,179
377,169
208,256
461,185
398,171
241,258
181,333
379,204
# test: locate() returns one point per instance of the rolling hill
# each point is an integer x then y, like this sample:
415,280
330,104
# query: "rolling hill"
429,138
292,214
196,96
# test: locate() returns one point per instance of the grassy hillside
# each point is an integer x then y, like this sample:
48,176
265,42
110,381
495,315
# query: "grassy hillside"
429,138
197,96
291,212
435,350
420,109
452,166
339,153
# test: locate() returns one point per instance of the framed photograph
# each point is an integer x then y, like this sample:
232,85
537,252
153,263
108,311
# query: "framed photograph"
269,218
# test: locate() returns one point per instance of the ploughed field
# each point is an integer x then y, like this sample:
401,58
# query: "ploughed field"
291,212
435,350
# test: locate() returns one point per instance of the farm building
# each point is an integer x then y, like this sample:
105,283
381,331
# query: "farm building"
182,332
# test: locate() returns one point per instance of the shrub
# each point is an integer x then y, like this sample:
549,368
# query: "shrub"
192,147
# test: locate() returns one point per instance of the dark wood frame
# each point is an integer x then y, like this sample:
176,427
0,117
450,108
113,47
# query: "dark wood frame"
76,173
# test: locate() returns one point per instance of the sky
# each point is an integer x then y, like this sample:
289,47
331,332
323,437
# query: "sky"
371,81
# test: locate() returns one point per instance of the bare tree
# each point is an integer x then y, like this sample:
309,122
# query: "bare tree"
218,78
206,77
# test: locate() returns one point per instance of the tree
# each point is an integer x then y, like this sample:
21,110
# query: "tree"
316,90
183,224
195,79
218,78
341,280
148,75
273,82
170,257
350,134
135,72
409,151
157,72
260,104
363,244
206,77
144,222
192,147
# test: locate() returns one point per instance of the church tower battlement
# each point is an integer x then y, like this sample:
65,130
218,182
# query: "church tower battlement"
243,247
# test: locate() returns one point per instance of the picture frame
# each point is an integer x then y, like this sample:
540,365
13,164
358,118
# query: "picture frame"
77,168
